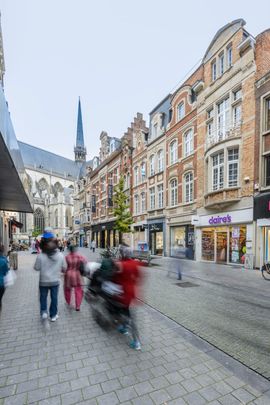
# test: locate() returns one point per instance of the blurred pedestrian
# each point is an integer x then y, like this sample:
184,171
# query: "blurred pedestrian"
93,245
3,272
73,279
128,277
13,257
50,263
37,246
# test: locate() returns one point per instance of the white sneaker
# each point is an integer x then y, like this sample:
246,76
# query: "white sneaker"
54,318
44,315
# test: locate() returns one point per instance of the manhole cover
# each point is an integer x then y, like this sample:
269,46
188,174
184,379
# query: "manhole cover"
187,284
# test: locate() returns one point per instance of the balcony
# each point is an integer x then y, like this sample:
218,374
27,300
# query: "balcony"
222,135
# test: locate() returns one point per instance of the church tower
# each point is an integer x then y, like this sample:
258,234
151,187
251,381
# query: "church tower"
80,150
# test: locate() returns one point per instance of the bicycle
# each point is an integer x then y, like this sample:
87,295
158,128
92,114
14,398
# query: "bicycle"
266,271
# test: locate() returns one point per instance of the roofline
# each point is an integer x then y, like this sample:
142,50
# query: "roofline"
161,102
185,84
47,151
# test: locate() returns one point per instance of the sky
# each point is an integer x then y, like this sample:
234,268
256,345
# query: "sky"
120,56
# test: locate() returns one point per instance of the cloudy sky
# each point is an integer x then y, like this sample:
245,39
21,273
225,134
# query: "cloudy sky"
119,56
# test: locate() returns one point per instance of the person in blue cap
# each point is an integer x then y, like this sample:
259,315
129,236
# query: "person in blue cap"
50,263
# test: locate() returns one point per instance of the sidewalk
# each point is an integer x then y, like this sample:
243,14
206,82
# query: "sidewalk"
73,361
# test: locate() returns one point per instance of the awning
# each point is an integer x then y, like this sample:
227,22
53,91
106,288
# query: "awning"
16,223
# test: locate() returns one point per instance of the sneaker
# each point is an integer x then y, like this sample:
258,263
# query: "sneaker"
54,318
77,309
44,315
135,345
122,329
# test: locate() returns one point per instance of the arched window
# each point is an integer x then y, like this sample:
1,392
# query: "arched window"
56,218
136,204
152,165
188,143
188,187
173,152
160,157
136,176
68,218
173,192
39,220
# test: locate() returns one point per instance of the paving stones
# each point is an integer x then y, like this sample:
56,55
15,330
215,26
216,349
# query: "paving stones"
75,362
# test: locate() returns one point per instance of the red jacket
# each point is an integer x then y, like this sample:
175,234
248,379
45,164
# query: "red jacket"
128,277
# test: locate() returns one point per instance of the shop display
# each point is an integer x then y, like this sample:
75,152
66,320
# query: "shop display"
208,245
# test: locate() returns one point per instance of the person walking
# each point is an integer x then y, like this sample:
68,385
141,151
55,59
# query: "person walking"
3,272
73,279
13,257
93,245
128,277
50,263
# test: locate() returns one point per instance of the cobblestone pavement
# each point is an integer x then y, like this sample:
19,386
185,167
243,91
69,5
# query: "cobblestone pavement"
73,361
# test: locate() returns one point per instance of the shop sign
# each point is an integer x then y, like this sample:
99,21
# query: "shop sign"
156,227
110,195
220,220
93,203
77,222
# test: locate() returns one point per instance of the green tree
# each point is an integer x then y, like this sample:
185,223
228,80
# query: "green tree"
36,232
121,210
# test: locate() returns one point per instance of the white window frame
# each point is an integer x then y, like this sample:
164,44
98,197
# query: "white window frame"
189,187
221,64
223,118
237,115
233,163
136,204
214,70
143,201
152,165
173,152
188,143
180,111
266,126
229,56
143,171
160,195
160,157
136,176
152,198
218,171
173,192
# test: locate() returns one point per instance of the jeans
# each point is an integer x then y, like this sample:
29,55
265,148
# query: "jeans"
43,293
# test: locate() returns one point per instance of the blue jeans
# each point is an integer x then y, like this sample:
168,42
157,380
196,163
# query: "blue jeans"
43,293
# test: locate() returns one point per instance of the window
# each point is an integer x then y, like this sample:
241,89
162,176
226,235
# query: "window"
237,95
210,113
160,160
229,56
112,145
103,207
180,111
267,115
152,165
173,152
155,130
237,110
233,156
188,187
221,64
102,184
143,207
143,171
173,187
39,220
152,198
136,204
160,195
136,176
214,71
188,142
22,219
223,118
56,218
210,129
218,171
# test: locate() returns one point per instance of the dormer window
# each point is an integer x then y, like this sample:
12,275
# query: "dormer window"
214,70
155,130
112,146
221,64
180,111
229,56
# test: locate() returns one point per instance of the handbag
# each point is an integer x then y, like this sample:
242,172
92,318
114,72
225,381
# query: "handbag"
10,278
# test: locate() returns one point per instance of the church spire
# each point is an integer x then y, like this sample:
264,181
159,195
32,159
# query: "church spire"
80,150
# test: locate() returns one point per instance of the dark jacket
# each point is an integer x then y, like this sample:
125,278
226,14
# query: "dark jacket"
3,269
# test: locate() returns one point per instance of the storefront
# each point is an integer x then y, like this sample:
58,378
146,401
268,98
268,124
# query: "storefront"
156,237
105,235
262,218
225,238
140,231
182,241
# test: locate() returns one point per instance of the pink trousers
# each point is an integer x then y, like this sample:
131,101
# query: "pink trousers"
78,291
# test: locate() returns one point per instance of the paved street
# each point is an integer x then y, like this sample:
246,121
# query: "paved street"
73,361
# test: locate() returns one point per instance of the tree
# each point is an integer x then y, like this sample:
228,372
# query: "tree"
36,232
121,210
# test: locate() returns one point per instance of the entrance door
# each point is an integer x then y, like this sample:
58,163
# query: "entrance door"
102,241
221,247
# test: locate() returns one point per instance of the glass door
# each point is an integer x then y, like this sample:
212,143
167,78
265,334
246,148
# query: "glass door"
221,247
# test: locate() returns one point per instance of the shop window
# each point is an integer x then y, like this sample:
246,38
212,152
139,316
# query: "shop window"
152,198
188,187
267,115
208,245
160,195
188,143
218,171
160,157
267,170
237,247
178,241
233,157
173,152
173,192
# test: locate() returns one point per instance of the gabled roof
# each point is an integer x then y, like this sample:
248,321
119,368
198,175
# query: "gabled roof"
36,158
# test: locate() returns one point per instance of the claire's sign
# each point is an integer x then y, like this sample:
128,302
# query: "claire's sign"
227,219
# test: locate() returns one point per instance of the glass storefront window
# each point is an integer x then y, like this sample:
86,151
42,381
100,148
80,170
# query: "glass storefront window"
237,244
208,245
178,241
